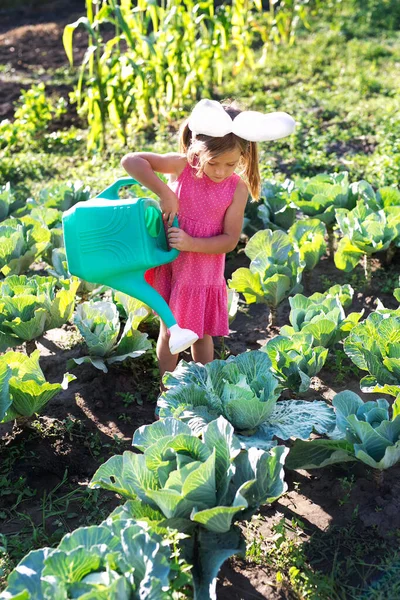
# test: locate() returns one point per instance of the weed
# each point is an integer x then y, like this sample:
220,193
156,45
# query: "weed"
342,367
94,444
128,398
347,484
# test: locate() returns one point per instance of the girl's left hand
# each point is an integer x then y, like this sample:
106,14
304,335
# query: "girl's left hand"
178,239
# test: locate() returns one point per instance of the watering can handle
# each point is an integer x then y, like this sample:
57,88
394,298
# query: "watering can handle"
111,192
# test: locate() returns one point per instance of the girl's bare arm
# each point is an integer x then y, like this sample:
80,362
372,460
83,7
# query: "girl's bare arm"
143,167
218,244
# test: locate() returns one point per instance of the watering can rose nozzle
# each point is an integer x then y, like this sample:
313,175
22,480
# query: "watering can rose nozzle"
180,339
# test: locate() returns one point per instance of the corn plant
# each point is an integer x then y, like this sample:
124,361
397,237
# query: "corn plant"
161,56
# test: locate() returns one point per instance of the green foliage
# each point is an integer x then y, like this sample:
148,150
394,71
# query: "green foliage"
200,486
308,237
374,346
61,196
30,306
295,360
318,196
161,55
364,431
32,117
6,199
23,241
99,324
322,316
24,390
121,558
275,270
245,392
366,231
277,210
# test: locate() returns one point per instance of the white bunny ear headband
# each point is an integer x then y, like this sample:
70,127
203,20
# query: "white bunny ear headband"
210,118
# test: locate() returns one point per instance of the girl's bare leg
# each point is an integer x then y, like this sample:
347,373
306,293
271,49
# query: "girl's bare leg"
166,360
203,350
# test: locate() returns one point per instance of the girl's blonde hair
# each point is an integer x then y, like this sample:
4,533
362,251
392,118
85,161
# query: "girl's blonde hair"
200,148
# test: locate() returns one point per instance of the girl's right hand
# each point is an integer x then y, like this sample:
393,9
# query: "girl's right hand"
169,204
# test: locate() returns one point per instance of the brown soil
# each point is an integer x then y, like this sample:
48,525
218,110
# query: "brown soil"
31,46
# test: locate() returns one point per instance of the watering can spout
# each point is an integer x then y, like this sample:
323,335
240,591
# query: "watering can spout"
114,241
135,285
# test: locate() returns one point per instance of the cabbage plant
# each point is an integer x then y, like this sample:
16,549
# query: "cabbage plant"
365,431
201,486
295,360
308,238
24,390
245,392
318,196
275,270
322,316
22,243
59,269
277,211
365,231
99,325
374,346
61,196
31,306
120,559
6,199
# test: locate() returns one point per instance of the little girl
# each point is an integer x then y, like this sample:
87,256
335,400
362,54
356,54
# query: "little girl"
209,199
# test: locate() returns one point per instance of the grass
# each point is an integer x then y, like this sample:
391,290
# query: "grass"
343,563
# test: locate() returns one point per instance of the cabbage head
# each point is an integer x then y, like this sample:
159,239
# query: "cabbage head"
244,391
99,325
365,431
200,486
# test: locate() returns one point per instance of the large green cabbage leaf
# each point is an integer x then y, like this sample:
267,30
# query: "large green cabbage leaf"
205,484
99,324
275,270
23,241
365,431
24,390
30,306
366,231
322,316
244,390
374,346
295,360
318,196
308,237
121,559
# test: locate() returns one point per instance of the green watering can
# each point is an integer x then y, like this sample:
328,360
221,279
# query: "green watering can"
114,241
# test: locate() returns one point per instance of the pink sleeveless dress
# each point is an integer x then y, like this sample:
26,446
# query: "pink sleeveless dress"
194,285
